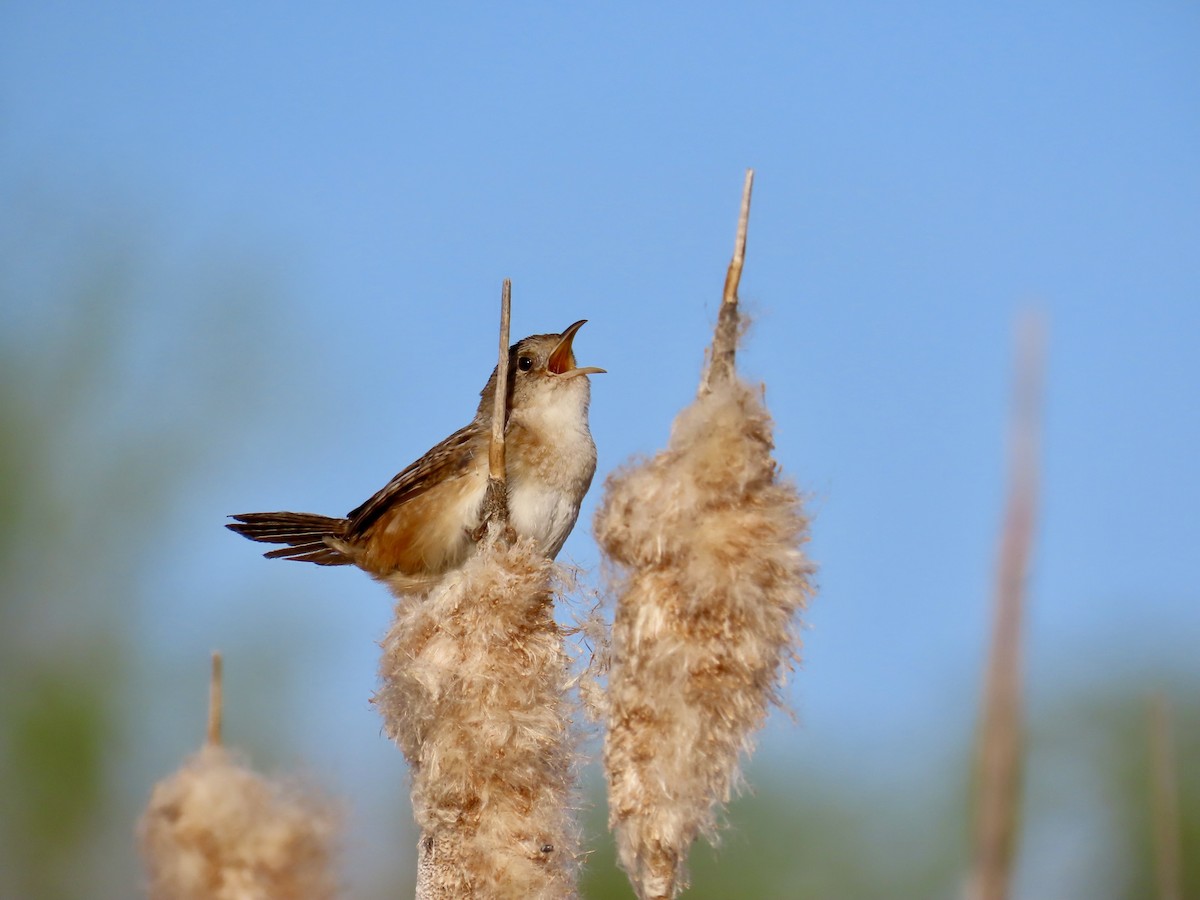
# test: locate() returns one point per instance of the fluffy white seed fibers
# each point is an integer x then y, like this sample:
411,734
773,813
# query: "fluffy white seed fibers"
708,538
474,679
215,830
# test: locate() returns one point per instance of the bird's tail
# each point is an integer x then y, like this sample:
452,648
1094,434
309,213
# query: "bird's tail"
304,534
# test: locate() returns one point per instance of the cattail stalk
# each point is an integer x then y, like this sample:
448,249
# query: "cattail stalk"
1001,734
1165,801
216,700
495,504
215,830
474,679
722,357
706,538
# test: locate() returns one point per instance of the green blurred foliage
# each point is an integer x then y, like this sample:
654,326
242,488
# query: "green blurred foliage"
92,440
1087,830
1090,753
60,728
808,837
61,648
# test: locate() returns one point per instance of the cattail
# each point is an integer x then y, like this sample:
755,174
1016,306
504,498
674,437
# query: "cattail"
474,691
215,830
707,537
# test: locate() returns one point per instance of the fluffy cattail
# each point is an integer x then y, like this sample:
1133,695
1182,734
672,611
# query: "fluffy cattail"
215,830
707,537
474,691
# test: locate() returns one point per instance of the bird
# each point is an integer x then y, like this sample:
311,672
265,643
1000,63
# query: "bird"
427,520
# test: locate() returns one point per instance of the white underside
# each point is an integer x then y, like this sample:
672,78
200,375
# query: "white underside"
546,509
544,514
539,511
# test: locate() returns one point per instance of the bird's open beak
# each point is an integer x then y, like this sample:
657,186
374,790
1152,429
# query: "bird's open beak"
562,359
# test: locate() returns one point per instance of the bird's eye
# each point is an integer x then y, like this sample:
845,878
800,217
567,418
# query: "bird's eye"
525,363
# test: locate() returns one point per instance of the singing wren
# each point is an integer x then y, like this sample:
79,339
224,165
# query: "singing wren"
427,520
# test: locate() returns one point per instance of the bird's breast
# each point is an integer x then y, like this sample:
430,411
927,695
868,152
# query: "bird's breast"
542,513
549,472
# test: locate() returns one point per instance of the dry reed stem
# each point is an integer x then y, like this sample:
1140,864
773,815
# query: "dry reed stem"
216,703
708,538
474,691
215,830
1165,801
1001,731
722,358
495,504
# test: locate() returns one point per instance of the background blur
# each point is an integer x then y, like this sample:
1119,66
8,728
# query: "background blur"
250,258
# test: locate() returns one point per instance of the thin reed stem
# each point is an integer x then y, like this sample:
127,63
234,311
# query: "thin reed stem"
1165,801
215,701
1001,732
495,506
728,330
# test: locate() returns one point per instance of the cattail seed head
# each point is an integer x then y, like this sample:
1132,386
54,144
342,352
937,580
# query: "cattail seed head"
474,680
215,830
707,538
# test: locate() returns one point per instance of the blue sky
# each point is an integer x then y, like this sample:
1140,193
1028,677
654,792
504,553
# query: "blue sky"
924,173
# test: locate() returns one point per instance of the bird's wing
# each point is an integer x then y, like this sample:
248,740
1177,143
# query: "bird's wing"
451,456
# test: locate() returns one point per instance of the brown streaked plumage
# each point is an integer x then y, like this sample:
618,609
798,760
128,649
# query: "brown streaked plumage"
422,523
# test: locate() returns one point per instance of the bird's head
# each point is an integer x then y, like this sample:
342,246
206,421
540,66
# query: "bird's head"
542,372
